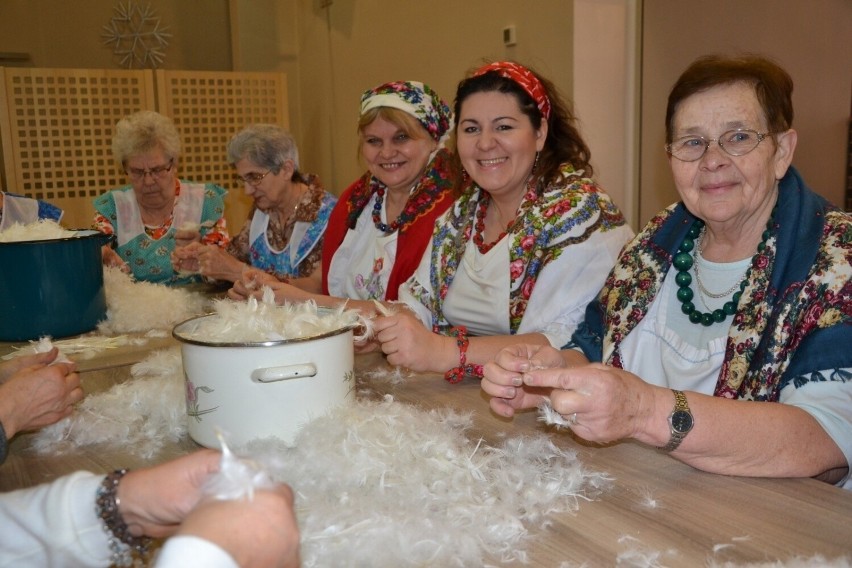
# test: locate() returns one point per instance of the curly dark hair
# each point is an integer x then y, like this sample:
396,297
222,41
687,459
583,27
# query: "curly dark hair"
563,144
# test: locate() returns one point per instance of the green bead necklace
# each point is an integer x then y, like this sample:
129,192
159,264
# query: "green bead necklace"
683,261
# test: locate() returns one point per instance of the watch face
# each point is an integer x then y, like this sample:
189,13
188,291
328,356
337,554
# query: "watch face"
681,421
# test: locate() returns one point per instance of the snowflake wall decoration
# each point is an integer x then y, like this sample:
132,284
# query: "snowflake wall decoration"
136,36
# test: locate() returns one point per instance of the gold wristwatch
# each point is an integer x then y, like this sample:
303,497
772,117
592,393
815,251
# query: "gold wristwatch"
680,421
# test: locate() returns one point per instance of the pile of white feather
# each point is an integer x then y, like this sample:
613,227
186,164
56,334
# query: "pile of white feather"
43,230
138,416
377,483
256,321
135,306
388,484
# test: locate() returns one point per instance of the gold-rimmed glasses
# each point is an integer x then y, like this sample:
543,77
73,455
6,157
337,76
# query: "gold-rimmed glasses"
736,142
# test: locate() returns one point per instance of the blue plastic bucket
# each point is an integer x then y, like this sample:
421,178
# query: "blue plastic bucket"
52,287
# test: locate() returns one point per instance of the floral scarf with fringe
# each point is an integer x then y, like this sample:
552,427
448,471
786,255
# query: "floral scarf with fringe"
794,314
537,236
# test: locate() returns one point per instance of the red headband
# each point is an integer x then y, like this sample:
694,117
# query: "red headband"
523,77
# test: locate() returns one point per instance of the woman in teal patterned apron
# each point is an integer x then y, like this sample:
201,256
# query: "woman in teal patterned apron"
157,210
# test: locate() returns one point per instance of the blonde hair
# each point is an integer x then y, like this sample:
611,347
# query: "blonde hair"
142,132
412,127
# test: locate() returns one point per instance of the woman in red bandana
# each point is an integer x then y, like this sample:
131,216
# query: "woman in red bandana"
527,245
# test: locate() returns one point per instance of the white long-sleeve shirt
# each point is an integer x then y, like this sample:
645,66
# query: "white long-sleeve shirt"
56,525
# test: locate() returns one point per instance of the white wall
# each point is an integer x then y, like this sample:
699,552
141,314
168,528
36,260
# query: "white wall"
812,40
334,50
606,60
628,53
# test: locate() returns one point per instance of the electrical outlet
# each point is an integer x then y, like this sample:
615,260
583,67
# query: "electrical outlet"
509,38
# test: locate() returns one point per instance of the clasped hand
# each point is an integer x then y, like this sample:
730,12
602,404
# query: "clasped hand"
168,499
408,343
601,403
251,282
34,393
208,260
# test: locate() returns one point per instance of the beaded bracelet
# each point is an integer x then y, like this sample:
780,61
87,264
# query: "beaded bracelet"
4,444
122,544
456,374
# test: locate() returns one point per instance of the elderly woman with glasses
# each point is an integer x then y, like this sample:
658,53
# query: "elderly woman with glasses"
724,327
284,232
157,210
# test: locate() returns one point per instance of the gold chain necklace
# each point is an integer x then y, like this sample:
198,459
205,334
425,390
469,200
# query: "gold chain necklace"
704,291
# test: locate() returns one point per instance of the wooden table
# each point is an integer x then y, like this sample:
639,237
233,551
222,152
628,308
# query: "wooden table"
746,519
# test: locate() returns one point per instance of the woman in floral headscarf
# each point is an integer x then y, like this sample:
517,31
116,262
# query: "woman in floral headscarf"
526,246
382,222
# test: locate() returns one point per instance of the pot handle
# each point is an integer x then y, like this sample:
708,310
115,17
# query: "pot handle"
273,374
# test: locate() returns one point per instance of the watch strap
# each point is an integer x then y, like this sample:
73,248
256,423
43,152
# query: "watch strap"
681,405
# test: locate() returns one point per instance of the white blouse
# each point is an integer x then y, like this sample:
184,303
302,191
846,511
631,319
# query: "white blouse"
478,297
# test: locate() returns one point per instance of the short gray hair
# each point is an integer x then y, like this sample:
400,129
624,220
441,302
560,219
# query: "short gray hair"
144,131
266,145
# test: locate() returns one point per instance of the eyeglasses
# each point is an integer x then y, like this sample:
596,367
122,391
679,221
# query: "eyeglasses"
738,142
158,172
253,179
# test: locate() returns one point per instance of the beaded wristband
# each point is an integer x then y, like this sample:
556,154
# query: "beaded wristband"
122,544
456,374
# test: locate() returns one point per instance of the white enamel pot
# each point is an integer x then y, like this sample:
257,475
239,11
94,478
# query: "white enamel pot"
265,389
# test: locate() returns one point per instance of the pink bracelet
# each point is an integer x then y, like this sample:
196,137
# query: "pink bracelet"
456,374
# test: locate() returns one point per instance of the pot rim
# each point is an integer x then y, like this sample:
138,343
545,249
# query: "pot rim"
79,234
176,333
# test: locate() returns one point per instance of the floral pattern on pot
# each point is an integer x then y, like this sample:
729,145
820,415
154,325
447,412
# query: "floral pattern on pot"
349,377
192,400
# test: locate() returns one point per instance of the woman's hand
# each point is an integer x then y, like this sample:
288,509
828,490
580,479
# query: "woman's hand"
257,533
215,262
208,260
111,258
602,403
251,282
167,499
12,366
38,395
408,343
186,236
155,500
185,258
503,378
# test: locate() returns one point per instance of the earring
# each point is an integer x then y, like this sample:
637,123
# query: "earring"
535,163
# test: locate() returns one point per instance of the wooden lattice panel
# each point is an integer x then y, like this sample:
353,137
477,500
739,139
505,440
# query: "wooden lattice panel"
57,127
208,108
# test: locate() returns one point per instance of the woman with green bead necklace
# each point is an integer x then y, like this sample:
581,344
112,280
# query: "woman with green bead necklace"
742,291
